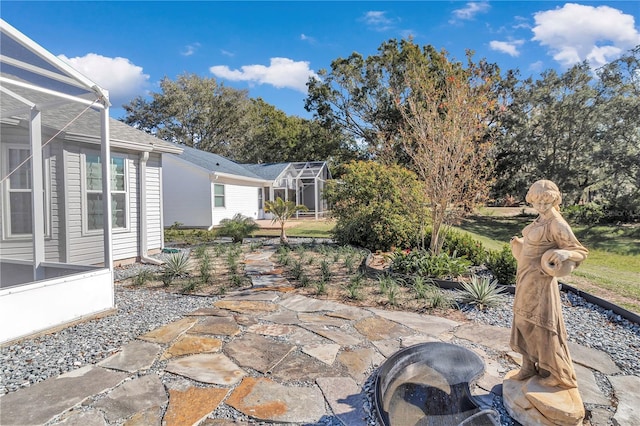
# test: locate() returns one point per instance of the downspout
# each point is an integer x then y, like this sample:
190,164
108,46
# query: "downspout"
142,226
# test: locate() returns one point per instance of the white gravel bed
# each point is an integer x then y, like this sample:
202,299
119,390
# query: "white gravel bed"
587,324
139,311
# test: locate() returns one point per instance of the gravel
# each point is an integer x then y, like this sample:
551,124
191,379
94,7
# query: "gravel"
139,311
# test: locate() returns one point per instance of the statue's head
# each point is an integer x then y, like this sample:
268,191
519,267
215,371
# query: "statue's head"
544,191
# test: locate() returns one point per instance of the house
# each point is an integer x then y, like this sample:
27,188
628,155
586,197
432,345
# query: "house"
201,188
59,238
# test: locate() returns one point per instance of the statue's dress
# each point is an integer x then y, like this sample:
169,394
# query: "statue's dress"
538,330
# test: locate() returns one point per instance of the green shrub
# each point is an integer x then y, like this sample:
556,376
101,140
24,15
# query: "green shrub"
465,246
481,292
503,265
376,206
325,270
142,278
297,270
421,262
238,228
177,264
584,214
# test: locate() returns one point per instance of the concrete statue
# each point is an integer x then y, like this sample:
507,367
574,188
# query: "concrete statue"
544,391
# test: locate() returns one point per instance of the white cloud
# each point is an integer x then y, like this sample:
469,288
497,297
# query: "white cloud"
470,10
119,76
378,20
227,53
281,73
577,32
508,47
190,49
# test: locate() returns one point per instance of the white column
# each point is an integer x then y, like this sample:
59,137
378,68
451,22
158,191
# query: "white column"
105,153
37,193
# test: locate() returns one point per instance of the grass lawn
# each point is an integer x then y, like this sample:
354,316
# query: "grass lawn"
301,228
612,270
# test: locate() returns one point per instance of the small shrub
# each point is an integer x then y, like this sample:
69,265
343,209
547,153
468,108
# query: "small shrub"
349,262
325,270
384,282
392,293
190,286
142,278
420,287
481,292
503,265
167,278
205,268
297,270
236,280
199,251
437,299
355,284
304,281
321,287
421,262
238,228
177,264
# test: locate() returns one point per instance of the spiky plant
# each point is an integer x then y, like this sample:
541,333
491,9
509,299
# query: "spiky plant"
238,228
481,292
177,264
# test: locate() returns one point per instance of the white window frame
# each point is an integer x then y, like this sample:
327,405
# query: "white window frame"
123,192
216,196
7,190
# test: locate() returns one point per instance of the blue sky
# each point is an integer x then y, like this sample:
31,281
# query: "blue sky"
271,48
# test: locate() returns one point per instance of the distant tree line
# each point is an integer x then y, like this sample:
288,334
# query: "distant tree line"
492,134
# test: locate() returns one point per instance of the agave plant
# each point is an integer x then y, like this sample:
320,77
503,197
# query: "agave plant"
481,292
177,264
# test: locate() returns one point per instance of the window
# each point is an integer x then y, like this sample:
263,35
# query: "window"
218,195
20,221
19,215
93,189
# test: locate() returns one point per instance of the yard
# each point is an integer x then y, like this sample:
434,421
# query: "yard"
611,271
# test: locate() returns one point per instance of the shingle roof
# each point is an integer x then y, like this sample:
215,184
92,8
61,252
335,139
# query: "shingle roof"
267,171
215,163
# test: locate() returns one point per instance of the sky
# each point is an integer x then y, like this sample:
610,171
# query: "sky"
272,48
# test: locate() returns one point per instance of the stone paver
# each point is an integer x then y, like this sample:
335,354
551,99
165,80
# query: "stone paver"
340,337
426,324
246,306
320,319
271,329
627,390
269,281
256,296
299,303
134,356
360,362
207,368
169,332
132,397
588,387
322,352
416,339
210,312
43,401
345,398
216,326
266,400
593,358
192,344
297,366
258,352
192,405
377,328
387,347
151,416
82,418
487,335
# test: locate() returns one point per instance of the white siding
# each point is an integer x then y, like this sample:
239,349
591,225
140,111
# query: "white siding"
125,242
154,203
186,191
238,199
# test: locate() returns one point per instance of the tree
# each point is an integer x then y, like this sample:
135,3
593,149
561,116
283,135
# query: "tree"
354,98
272,136
577,128
282,211
377,206
446,131
193,111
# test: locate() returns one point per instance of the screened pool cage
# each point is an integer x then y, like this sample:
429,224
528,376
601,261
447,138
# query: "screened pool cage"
55,223
304,184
